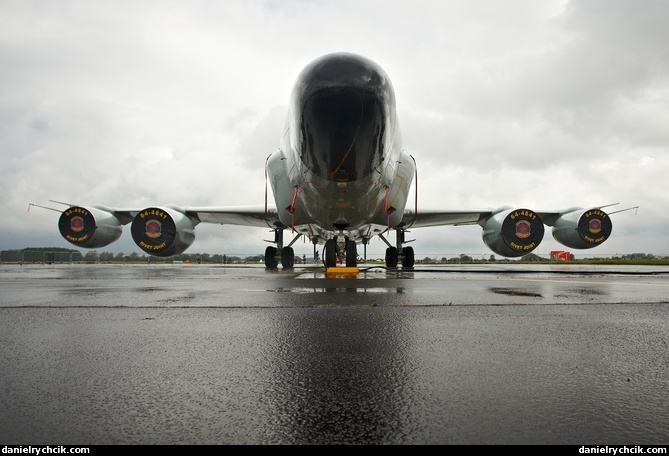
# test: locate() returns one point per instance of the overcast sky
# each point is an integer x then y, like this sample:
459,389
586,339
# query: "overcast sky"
538,104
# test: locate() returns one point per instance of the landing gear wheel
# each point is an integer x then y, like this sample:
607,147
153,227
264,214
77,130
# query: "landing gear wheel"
391,257
408,260
287,257
351,254
330,257
270,258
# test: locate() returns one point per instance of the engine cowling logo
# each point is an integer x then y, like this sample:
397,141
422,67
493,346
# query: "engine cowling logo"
77,224
595,226
523,229
153,229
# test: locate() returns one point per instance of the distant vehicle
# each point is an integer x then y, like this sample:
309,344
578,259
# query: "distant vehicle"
339,178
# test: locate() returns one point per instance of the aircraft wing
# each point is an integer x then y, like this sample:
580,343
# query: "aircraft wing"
256,216
425,218
237,215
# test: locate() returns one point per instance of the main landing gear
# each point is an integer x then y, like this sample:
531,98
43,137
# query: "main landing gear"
398,254
280,253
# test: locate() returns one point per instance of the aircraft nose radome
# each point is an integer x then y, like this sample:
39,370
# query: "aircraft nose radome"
344,70
340,65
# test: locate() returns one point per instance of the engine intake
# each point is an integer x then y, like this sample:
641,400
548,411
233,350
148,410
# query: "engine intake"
163,231
513,232
582,228
89,227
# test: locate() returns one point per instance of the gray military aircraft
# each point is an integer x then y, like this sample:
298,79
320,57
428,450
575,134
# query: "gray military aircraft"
339,178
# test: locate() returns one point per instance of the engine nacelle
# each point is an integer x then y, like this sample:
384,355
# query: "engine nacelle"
163,231
582,228
89,227
513,232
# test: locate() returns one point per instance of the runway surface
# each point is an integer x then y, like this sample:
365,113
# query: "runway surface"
195,354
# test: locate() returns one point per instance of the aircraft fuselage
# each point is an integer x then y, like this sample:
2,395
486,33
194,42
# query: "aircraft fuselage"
340,160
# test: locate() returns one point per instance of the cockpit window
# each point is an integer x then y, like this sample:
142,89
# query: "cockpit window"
342,133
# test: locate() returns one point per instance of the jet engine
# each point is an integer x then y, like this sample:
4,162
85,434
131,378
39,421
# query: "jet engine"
582,228
513,232
89,227
163,231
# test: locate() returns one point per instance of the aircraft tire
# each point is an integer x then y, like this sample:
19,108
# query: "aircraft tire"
287,257
270,258
391,257
351,254
330,257
408,258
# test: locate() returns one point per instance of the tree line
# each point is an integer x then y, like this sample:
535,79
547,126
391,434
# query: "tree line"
64,255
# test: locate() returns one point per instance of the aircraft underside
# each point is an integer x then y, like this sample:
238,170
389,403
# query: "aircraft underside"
339,249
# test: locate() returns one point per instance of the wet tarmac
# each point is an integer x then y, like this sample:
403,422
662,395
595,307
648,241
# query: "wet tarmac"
195,354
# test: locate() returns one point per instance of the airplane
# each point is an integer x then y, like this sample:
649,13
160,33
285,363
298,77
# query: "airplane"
339,178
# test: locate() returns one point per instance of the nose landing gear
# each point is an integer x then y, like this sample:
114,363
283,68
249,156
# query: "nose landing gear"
340,249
